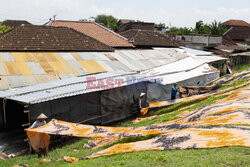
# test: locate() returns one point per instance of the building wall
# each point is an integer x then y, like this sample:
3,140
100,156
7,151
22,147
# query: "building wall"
97,107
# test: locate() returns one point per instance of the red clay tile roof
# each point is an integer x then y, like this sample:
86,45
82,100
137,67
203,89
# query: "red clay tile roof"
15,23
144,38
238,33
44,38
96,31
235,23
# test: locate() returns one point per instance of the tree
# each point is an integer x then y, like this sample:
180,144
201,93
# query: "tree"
201,28
180,31
217,28
160,26
108,20
4,29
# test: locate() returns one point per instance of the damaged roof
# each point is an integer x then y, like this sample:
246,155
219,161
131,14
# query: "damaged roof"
95,31
229,45
44,38
145,38
15,23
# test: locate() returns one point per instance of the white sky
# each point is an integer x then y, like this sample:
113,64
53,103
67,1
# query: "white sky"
179,13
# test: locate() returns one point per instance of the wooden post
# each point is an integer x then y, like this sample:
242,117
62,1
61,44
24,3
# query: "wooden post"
4,113
27,111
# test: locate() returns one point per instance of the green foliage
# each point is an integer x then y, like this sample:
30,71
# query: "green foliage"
4,29
201,28
180,31
235,83
160,26
215,28
108,20
241,67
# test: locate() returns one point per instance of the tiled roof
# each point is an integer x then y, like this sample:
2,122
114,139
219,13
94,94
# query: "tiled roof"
125,21
44,38
96,31
15,23
229,44
227,41
238,33
231,47
235,23
144,38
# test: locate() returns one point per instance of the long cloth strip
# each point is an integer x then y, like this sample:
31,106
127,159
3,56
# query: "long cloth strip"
190,131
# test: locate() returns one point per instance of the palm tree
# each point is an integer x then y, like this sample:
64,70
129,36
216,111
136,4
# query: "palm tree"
217,28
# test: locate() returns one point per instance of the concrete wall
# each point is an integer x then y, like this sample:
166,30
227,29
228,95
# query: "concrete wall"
205,40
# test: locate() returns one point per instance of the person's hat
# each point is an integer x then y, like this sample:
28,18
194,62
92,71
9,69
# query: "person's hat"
142,94
42,116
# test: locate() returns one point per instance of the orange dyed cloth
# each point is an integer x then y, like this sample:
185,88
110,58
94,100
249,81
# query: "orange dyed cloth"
184,139
190,131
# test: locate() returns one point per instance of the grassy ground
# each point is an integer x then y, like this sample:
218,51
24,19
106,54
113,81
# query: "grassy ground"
241,67
229,156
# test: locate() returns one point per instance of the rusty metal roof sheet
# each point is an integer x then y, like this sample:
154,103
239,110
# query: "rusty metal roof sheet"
19,69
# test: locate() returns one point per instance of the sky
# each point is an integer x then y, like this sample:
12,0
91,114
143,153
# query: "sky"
179,13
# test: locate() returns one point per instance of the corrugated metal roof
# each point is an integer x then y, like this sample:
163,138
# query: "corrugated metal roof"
197,52
209,59
202,56
183,65
174,72
171,78
19,69
62,88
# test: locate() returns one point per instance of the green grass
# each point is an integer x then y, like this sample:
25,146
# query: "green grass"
235,83
229,156
173,115
241,67
236,69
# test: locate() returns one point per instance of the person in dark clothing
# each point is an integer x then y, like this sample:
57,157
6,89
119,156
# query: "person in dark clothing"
174,91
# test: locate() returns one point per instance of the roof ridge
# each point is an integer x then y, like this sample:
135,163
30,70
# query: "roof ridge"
105,28
111,31
89,37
